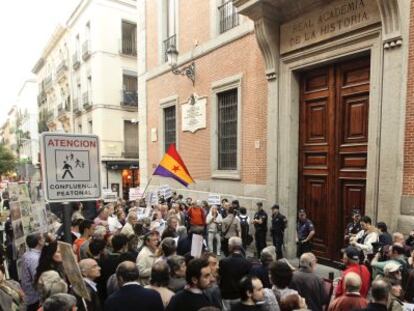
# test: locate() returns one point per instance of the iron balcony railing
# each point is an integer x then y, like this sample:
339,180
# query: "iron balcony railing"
86,53
76,107
75,60
229,18
86,100
168,43
129,47
129,98
61,68
48,82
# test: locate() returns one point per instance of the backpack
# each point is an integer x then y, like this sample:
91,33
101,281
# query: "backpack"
244,225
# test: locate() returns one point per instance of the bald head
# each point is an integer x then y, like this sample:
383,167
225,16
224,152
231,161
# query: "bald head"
307,261
352,282
127,271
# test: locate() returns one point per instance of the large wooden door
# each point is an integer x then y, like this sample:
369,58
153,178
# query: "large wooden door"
333,149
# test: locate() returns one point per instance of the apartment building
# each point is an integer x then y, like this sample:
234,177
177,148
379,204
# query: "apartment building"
87,78
301,103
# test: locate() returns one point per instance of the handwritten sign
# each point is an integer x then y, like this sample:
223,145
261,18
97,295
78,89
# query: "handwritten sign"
214,199
332,20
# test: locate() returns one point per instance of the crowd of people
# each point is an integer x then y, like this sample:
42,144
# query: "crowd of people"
134,257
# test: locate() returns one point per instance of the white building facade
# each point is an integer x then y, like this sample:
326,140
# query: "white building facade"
88,84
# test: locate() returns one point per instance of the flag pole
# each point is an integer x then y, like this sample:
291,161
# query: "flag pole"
146,187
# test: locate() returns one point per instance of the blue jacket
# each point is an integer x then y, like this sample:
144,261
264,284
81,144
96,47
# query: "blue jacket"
134,297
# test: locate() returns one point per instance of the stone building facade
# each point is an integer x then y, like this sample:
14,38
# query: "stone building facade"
325,109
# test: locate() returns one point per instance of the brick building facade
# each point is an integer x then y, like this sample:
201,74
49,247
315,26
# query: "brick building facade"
319,92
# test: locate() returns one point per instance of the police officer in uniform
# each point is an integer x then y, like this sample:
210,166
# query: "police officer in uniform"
260,225
353,227
279,223
305,232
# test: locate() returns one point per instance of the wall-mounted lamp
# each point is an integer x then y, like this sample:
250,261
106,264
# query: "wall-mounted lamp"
188,71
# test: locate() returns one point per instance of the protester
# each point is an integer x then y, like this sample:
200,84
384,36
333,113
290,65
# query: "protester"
277,231
214,223
351,260
305,232
351,299
131,294
384,237
365,238
160,278
293,302
251,293
60,302
245,227
192,298
267,256
281,276
380,296
102,218
308,284
177,271
90,271
231,228
196,217
50,259
86,229
29,263
11,294
147,257
49,284
231,270
128,228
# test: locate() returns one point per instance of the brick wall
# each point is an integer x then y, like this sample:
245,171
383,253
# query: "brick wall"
239,57
408,182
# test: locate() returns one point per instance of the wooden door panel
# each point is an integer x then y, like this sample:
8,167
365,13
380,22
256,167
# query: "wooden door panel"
315,203
333,138
352,197
353,119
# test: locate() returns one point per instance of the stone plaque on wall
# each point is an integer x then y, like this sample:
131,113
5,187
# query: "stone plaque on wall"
327,22
194,114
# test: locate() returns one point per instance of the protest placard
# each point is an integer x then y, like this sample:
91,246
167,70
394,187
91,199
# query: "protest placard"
165,191
196,245
109,196
72,270
135,193
408,307
214,199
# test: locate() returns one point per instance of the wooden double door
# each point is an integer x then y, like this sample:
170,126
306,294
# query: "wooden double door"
333,149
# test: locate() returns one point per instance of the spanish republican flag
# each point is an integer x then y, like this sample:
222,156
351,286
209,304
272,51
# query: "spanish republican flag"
173,166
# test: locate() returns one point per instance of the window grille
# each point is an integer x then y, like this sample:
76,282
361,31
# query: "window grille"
227,130
169,127
229,18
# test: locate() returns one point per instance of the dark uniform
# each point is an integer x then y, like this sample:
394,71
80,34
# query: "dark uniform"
260,231
352,229
303,230
279,223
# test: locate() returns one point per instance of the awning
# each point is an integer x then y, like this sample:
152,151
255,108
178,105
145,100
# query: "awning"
121,165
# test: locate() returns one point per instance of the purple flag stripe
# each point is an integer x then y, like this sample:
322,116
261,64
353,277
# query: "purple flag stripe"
162,171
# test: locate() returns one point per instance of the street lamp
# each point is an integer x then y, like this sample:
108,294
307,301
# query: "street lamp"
188,71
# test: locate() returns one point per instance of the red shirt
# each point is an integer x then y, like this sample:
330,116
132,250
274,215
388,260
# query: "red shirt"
196,215
348,301
363,272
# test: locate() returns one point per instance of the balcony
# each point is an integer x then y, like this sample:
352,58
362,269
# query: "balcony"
60,71
129,98
169,42
128,47
50,116
87,104
75,61
229,18
48,83
76,107
86,52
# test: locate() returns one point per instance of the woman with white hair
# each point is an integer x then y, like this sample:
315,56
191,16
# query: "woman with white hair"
214,221
49,284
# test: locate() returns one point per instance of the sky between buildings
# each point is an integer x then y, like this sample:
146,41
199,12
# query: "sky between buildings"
25,28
